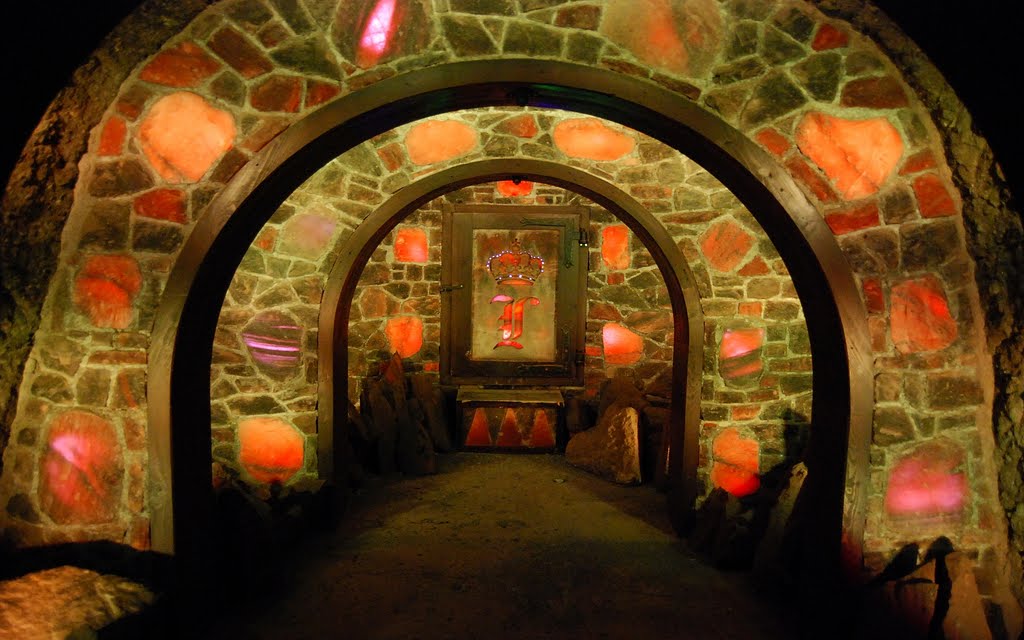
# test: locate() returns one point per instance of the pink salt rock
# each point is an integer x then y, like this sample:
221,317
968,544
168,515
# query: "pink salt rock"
681,36
725,245
82,470
162,204
274,341
511,189
270,449
739,355
920,319
112,137
615,246
621,346
185,65
857,155
411,245
736,463
509,435
405,335
307,235
933,199
182,136
929,482
439,140
524,126
592,139
105,288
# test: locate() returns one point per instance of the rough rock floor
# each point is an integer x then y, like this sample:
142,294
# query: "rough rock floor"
503,546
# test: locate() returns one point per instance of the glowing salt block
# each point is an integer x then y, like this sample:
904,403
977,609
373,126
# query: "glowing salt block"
405,335
592,139
439,140
736,463
615,247
682,36
736,481
927,483
81,469
479,431
162,204
270,449
621,346
725,245
377,34
105,288
307,235
542,436
739,355
857,155
511,189
183,136
509,435
411,245
920,319
274,341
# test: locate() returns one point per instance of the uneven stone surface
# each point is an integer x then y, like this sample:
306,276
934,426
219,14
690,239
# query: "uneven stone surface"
590,138
920,316
439,140
183,135
682,36
858,155
611,449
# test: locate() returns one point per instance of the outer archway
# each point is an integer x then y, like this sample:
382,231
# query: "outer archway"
180,355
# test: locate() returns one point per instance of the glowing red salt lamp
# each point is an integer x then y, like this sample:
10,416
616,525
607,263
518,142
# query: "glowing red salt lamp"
930,482
615,246
621,346
858,155
183,135
920,319
514,188
411,245
270,449
405,334
736,463
439,140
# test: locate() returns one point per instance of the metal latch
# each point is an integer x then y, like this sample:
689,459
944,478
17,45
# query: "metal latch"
447,288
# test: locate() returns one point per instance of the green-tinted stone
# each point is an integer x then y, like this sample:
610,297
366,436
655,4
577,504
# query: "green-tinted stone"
484,7
774,97
467,36
584,48
532,40
820,75
743,40
740,70
728,102
156,237
779,48
106,227
229,88
294,15
309,56
796,23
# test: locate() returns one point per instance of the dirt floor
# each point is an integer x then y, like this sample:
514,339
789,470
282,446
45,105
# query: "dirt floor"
503,546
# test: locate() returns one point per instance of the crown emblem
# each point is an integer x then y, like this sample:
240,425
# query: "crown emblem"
515,266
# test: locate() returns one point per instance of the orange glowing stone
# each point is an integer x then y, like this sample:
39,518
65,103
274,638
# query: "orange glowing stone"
270,449
411,245
621,346
105,288
542,436
725,245
615,246
183,136
736,463
479,431
739,355
439,140
929,482
511,189
920,318
377,34
509,435
858,155
592,139
405,335
682,36
81,474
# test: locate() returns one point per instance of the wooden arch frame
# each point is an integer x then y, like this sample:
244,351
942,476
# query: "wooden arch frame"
181,349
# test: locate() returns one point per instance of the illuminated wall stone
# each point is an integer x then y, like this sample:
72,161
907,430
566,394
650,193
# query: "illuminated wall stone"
307,234
725,245
405,335
858,155
274,340
678,35
736,463
270,449
82,470
510,189
615,246
411,245
930,482
182,136
739,356
621,346
185,65
592,139
439,140
920,319
105,289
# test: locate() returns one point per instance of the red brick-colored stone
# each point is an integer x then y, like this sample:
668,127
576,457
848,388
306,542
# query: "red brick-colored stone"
244,56
753,309
725,245
874,93
592,139
524,126
603,311
621,346
681,36
616,278
112,136
920,161
105,288
266,130
162,204
374,303
277,93
514,189
858,155
773,141
933,198
270,449
317,93
405,335
829,37
820,187
615,246
756,267
736,463
439,140
411,245
266,239
856,218
874,297
392,156
183,136
920,319
81,470
929,482
185,65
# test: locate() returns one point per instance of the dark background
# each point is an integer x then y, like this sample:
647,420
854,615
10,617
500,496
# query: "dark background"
972,43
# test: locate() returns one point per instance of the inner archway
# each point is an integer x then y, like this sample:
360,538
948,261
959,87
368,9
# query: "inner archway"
183,334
